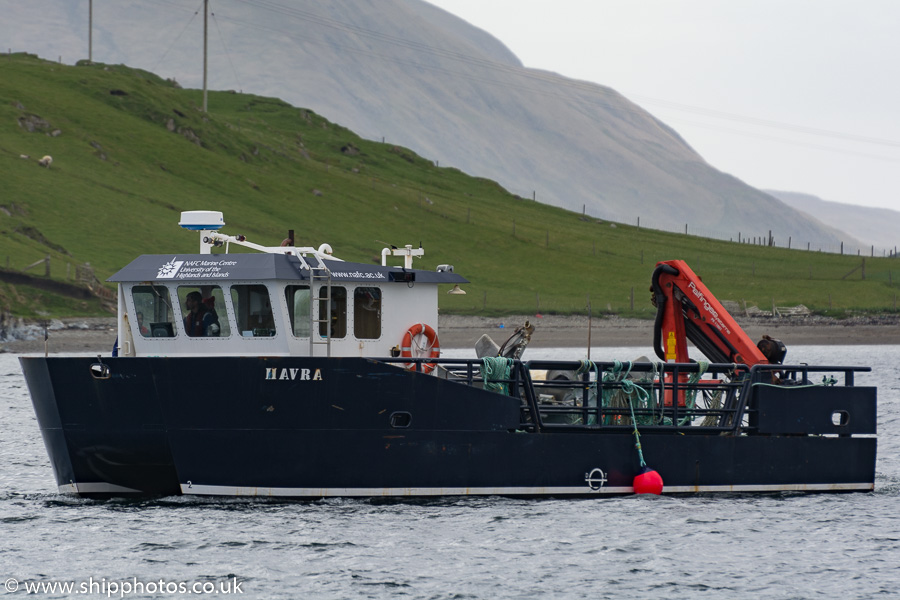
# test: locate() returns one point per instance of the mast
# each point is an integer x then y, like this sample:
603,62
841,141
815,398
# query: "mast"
90,31
205,20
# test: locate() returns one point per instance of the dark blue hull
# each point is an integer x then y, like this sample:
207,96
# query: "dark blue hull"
316,427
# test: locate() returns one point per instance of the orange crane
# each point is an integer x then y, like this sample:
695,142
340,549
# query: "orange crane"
687,310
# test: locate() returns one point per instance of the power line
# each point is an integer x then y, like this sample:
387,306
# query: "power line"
227,54
161,58
709,112
599,95
782,140
555,79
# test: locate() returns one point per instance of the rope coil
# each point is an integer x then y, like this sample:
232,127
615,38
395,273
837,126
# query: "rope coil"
495,373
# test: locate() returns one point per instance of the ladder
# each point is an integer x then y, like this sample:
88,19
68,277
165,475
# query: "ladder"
319,278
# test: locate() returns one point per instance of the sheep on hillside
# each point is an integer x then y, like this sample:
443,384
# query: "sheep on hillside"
46,161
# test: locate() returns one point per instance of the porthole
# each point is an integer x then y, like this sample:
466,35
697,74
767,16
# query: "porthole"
400,420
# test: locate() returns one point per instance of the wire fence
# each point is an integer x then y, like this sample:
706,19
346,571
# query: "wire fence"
758,238
80,275
770,237
767,238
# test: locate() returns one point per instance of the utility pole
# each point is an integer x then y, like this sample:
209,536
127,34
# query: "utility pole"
205,19
90,32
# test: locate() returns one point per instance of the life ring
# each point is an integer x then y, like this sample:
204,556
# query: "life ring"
433,347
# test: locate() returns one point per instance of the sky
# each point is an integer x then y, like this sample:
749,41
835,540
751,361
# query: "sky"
790,95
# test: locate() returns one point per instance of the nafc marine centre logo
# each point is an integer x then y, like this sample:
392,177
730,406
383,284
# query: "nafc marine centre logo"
170,269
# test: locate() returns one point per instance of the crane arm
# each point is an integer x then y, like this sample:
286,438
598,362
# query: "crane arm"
687,310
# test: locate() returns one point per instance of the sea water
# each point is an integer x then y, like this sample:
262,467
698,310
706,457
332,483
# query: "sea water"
788,545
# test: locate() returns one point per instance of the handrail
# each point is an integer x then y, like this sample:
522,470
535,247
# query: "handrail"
677,398
849,372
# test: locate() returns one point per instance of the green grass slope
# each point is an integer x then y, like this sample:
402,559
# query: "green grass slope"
131,151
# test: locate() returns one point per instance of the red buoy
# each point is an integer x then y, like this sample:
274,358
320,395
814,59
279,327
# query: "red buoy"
648,481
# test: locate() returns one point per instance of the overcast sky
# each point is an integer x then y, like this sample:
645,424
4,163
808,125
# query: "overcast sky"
793,95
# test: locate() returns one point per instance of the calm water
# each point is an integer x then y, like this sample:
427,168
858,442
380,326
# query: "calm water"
775,546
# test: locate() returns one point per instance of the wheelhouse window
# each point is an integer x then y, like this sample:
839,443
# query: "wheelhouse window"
253,310
367,313
338,305
154,314
203,311
298,303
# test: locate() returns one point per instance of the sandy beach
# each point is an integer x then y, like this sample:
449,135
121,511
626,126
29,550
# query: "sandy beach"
551,331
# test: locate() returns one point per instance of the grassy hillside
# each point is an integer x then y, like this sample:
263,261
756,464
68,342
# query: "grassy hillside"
131,151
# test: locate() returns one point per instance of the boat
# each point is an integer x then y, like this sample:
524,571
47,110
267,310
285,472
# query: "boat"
245,370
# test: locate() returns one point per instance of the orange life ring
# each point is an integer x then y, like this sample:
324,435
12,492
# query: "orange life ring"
434,347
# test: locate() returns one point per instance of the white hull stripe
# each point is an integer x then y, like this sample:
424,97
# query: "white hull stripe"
787,487
97,487
224,490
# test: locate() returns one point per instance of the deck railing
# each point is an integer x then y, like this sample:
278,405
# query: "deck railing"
691,398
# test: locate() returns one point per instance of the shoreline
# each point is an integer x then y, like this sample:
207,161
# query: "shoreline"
556,331
551,331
